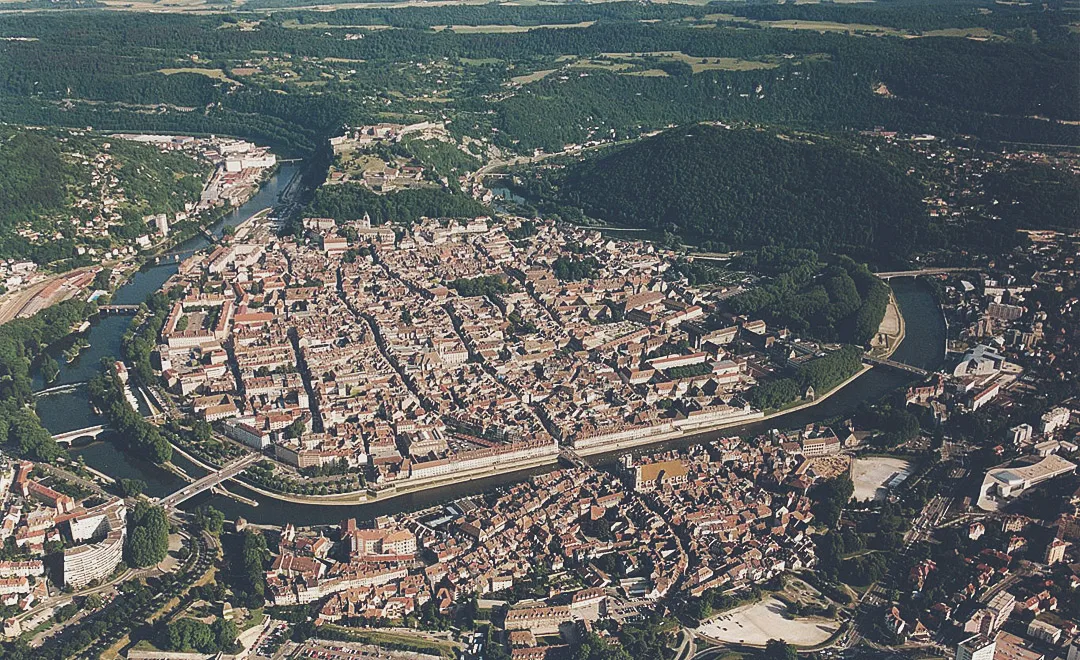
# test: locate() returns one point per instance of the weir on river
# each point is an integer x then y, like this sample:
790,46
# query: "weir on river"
923,348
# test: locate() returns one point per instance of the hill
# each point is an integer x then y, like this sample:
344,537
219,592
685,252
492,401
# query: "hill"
64,190
747,188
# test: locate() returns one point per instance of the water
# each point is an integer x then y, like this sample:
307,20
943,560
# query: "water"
923,346
924,339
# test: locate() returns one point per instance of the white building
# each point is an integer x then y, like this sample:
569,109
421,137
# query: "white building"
976,648
979,361
1053,420
96,561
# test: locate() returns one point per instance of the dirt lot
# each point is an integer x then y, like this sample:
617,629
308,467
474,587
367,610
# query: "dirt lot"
758,623
870,475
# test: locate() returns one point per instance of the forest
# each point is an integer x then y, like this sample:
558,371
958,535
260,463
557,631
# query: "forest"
751,188
22,341
841,301
106,71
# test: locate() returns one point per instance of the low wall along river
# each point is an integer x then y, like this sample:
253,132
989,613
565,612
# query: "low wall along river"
923,346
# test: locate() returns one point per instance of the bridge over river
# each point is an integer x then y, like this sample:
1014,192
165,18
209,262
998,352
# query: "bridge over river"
118,309
67,437
924,271
896,365
209,481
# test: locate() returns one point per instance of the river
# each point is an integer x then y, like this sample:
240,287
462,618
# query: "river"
923,346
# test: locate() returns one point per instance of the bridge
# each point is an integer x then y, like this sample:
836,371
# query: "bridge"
209,481
924,271
67,437
896,365
573,458
118,309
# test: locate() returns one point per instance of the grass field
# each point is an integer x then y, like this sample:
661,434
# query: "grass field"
297,25
648,73
532,77
508,29
699,64
216,74
600,63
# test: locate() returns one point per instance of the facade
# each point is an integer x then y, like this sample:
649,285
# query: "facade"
97,561
1044,632
1055,552
978,647
1003,483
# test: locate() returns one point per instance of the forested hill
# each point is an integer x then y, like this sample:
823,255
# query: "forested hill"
64,190
746,188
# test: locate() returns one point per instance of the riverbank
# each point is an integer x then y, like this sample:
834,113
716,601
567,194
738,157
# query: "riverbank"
921,345
891,330
700,434
371,497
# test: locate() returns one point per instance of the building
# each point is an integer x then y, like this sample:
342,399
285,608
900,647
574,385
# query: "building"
1053,420
29,568
96,561
1021,434
987,620
1002,483
537,620
375,542
979,361
1055,552
1012,647
650,476
1001,606
1044,632
820,442
978,647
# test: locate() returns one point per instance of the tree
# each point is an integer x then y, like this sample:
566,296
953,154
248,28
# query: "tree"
132,487
830,497
202,431
50,369
148,538
296,429
209,519
225,633
778,649
102,279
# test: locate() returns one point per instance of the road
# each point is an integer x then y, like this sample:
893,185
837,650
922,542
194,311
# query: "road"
924,271
685,650
74,478
209,481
